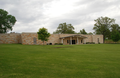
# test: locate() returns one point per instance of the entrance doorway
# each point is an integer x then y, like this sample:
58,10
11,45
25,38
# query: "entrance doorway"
73,41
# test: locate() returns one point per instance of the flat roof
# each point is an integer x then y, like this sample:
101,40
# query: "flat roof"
76,35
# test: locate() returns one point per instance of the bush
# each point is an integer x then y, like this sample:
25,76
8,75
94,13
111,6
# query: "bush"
87,42
58,44
90,42
49,43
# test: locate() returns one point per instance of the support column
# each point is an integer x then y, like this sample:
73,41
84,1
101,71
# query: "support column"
62,40
77,40
71,40
84,41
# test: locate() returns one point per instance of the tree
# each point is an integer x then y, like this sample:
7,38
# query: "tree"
6,21
115,27
90,33
102,26
64,28
43,34
83,31
115,36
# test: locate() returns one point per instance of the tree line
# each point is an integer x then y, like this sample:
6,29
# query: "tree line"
103,25
108,28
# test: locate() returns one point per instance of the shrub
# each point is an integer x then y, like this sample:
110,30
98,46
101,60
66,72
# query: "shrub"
58,44
49,43
90,42
87,42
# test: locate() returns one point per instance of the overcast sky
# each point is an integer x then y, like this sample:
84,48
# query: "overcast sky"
34,14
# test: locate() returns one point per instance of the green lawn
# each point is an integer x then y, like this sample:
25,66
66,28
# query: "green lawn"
60,61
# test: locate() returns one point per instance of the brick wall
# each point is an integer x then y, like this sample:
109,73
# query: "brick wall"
28,38
94,38
32,38
10,38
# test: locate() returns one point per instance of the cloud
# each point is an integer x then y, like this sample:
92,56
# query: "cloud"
34,14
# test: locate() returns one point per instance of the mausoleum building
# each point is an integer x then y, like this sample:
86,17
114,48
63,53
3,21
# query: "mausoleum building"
66,39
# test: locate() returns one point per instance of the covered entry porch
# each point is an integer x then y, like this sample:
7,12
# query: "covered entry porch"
73,39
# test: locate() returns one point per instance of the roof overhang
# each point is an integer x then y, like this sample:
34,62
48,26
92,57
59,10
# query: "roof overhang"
79,36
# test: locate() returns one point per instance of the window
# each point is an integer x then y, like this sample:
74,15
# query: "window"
68,41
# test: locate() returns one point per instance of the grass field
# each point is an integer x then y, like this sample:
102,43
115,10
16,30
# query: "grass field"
60,61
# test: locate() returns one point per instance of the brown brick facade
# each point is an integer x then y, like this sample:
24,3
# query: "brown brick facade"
10,38
32,38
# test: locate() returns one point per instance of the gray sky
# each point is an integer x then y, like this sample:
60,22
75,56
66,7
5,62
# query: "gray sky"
34,14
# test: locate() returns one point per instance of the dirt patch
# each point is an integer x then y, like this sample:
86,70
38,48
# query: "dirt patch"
63,47
58,47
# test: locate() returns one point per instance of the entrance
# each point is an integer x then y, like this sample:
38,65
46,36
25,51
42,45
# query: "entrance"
73,41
